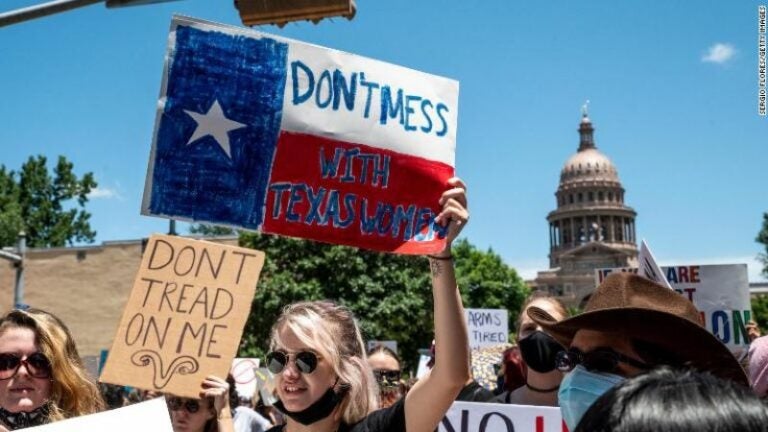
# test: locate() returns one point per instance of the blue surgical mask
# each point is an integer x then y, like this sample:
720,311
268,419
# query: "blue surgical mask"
579,390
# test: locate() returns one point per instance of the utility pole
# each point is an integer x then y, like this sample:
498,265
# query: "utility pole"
18,291
17,258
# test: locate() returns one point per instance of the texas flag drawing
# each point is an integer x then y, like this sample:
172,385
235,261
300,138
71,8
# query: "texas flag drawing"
265,133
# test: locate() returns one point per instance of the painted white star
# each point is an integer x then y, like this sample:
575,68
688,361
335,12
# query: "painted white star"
215,124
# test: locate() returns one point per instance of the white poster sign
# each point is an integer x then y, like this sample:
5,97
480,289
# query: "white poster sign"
719,292
243,371
151,415
491,417
487,327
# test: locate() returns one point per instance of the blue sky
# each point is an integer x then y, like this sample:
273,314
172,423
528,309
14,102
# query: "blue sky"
673,91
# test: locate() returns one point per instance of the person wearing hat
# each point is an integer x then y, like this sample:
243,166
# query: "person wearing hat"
758,366
629,326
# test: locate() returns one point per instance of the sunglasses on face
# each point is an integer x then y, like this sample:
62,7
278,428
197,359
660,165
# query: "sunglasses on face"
387,377
305,361
192,406
37,365
598,360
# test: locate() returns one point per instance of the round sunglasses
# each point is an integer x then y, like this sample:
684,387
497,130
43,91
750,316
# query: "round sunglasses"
191,405
305,361
387,378
37,365
597,360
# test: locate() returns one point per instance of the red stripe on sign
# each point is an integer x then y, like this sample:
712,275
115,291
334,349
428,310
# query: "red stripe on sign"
356,195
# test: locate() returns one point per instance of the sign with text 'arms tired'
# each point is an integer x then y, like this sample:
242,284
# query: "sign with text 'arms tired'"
265,133
185,315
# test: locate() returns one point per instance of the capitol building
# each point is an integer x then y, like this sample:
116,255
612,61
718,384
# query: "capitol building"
591,227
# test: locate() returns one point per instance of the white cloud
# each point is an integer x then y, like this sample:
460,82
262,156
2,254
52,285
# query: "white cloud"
103,193
719,53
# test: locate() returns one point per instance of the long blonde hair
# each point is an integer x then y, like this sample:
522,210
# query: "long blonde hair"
333,332
72,393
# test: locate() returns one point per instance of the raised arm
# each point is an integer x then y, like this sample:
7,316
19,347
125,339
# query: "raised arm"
430,398
217,390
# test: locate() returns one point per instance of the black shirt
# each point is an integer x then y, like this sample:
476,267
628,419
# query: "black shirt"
383,420
474,392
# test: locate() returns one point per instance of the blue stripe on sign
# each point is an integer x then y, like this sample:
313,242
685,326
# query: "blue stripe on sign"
199,181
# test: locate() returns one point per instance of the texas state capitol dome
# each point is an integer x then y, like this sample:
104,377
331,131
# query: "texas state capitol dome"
591,227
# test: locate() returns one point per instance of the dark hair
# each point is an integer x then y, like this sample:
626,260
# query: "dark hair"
673,400
381,348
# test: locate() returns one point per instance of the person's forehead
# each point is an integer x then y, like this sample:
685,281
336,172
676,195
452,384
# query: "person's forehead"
383,361
544,304
587,340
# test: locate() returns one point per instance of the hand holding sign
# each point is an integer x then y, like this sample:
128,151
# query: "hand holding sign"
455,213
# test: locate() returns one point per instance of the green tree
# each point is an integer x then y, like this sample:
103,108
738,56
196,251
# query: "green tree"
390,294
211,230
760,312
762,237
50,208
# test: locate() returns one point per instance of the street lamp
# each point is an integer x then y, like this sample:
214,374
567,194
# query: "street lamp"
56,6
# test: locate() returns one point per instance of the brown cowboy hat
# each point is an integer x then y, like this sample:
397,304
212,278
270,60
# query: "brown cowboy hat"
643,310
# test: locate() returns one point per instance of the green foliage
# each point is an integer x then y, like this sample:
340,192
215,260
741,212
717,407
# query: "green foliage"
390,294
49,208
760,312
486,282
762,237
211,230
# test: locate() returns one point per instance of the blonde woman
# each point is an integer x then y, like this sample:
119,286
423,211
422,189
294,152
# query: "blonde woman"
322,379
42,378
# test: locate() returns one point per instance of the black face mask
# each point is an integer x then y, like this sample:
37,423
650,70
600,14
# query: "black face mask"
539,351
319,410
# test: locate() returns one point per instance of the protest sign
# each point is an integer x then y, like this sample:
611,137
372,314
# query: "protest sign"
649,269
244,373
265,133
151,415
487,327
185,315
491,417
265,383
719,292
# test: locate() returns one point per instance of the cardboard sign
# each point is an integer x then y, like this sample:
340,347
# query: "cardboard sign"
487,327
151,415
244,372
265,133
719,292
491,417
185,315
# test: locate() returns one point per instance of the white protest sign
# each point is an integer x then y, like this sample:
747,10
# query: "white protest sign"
244,372
648,267
422,368
151,415
719,292
491,417
487,327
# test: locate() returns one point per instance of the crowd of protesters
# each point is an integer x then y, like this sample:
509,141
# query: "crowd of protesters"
637,359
